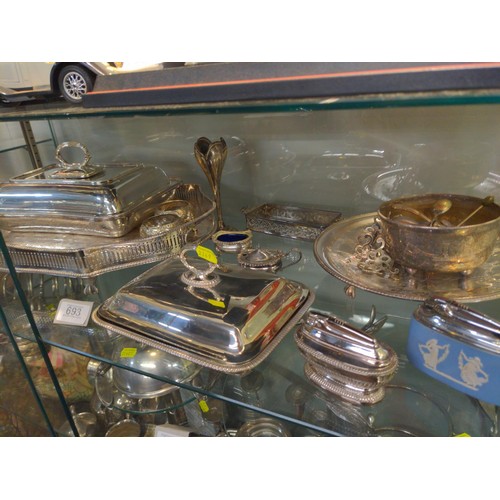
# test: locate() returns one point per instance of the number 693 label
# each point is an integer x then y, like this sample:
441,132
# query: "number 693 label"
73,312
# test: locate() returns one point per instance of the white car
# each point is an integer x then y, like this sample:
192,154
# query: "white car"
20,81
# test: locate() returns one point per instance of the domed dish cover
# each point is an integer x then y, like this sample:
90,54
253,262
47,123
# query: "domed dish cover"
79,198
152,361
227,319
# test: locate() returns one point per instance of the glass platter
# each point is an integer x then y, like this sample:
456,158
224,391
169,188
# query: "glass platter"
334,250
82,256
394,183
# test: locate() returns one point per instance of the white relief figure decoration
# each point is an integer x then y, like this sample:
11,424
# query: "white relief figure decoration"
433,353
471,370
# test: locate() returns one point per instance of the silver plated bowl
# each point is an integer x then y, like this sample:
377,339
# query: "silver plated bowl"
460,239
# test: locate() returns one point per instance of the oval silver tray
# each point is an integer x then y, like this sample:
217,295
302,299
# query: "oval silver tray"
334,250
81,256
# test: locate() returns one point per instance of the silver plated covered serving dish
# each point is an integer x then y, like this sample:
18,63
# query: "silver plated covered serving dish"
80,198
228,320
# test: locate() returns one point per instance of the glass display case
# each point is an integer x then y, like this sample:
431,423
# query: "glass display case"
337,158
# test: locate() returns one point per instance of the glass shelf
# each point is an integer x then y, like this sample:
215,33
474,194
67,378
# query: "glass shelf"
58,109
414,403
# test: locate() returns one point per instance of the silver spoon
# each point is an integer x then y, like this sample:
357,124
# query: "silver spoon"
413,211
439,208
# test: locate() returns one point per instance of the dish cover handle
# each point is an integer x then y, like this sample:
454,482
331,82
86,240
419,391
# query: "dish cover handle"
198,278
76,170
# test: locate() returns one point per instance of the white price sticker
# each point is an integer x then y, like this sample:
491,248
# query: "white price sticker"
73,312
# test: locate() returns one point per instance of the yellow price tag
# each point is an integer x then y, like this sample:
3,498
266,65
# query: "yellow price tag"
52,310
206,254
217,303
128,352
463,435
203,405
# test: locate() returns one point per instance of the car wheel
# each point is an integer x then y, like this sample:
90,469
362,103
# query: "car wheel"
74,83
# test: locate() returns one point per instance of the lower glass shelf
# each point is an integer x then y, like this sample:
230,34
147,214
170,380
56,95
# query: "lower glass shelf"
215,403
413,405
